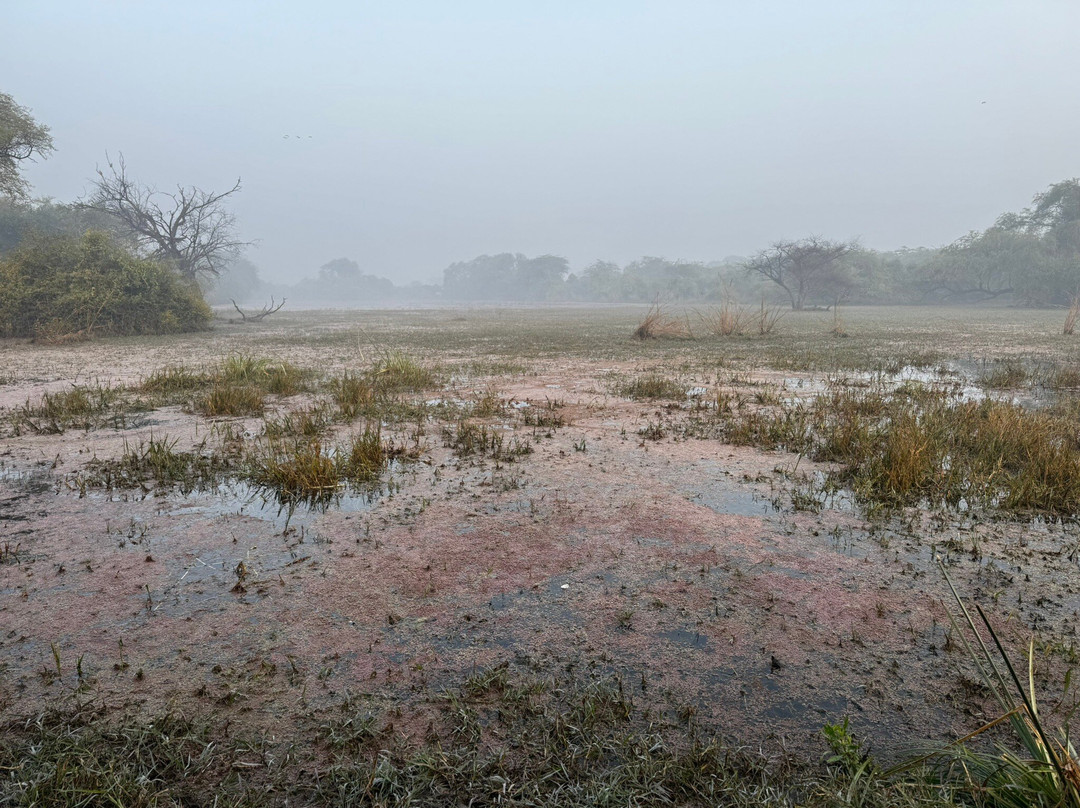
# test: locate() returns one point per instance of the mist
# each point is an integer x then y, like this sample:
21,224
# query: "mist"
411,136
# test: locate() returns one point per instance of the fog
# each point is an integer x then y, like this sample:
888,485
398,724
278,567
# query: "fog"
410,136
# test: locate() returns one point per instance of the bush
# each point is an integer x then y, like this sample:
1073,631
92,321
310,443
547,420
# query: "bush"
60,287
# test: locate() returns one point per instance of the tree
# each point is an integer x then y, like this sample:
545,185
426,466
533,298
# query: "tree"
21,137
190,230
339,270
802,268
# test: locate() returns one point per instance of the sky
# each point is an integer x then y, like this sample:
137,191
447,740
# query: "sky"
410,135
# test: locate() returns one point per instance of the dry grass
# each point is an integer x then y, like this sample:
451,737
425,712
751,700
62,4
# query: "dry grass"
297,472
922,446
658,325
396,372
767,317
724,321
1071,316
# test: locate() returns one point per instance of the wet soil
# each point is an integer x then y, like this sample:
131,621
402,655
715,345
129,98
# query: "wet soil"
678,564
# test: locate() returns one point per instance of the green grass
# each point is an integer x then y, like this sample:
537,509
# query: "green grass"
353,394
82,406
157,462
313,472
226,399
173,383
396,372
497,738
268,375
469,439
306,422
651,386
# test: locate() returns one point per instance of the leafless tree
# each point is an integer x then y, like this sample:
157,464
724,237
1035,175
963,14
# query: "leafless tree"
191,230
801,268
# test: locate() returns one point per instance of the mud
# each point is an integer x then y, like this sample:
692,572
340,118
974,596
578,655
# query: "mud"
678,564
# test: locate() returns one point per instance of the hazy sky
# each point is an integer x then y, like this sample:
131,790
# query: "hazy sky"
422,133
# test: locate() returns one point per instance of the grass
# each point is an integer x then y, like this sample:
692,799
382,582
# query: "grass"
227,399
469,439
353,394
82,406
396,371
77,759
306,422
1038,768
266,375
157,461
313,472
657,324
1008,375
921,445
173,383
497,738
303,472
725,320
364,457
651,386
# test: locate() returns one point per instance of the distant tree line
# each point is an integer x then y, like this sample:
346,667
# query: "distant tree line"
1030,258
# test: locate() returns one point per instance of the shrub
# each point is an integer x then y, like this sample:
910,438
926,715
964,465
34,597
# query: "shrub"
59,288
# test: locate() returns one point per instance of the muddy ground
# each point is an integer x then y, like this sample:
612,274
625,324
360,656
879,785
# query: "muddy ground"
678,564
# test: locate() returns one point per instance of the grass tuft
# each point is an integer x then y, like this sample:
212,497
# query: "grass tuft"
398,372
652,386
658,325
225,399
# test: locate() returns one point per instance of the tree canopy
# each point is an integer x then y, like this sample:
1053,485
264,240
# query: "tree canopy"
811,267
21,138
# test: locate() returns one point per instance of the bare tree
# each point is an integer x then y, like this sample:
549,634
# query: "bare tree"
801,268
190,230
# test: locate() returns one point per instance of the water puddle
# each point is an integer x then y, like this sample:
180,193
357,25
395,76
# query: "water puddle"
684,638
238,498
738,502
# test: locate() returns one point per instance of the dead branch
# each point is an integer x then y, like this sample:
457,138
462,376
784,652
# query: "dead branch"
254,318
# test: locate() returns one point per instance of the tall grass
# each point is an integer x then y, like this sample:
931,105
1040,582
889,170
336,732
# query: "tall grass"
226,399
267,375
651,386
726,320
658,325
156,461
1040,769
1071,316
